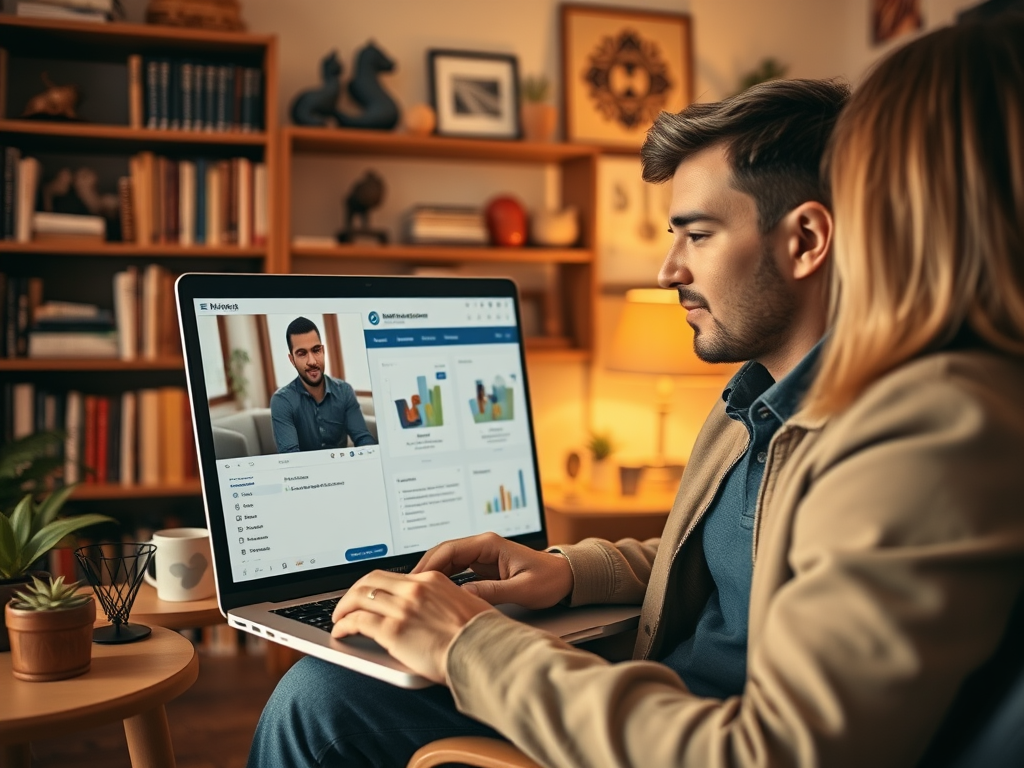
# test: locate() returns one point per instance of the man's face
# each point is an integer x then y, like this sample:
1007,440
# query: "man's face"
726,272
307,356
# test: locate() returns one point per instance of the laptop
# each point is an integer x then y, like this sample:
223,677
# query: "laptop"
426,436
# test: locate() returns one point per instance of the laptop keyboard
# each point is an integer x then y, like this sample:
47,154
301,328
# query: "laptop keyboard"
318,614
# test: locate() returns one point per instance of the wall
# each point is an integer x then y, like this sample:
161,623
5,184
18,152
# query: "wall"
814,38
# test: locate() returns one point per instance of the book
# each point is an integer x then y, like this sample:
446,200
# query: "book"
4,73
172,404
199,235
72,344
126,209
214,218
128,438
74,415
149,438
198,97
10,191
102,439
243,202
125,309
89,445
152,93
186,202
163,94
259,204
185,84
45,222
39,10
29,170
210,98
135,92
24,411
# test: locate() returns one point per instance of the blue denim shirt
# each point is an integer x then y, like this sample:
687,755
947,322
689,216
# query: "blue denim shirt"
713,661
303,424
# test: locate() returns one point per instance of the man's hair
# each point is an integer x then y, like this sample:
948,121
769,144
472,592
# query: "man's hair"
927,169
775,135
298,326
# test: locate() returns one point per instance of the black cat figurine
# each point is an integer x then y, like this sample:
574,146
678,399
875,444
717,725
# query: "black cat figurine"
315,106
380,111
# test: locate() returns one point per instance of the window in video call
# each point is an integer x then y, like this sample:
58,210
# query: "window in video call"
355,429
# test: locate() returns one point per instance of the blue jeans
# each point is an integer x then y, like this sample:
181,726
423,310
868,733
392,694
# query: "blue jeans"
321,714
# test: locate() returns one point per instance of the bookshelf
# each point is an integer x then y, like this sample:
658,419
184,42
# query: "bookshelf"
109,65
571,295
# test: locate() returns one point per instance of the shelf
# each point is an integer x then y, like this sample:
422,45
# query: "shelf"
27,35
131,250
108,491
444,253
121,137
34,364
350,141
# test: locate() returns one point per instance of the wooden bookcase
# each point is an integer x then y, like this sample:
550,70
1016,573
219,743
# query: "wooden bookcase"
575,287
85,273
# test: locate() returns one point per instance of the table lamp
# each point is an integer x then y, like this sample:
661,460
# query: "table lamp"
653,337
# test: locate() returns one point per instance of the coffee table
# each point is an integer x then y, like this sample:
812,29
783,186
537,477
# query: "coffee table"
129,682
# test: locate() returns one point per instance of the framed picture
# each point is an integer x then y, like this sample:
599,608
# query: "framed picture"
474,94
620,68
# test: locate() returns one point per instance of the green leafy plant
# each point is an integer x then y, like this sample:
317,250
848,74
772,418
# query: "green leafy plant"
769,69
236,373
600,445
51,595
33,529
26,466
535,90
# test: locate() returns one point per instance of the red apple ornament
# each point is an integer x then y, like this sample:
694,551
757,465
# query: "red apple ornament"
506,221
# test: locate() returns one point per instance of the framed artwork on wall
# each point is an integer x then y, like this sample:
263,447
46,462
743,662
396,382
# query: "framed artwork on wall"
620,68
474,94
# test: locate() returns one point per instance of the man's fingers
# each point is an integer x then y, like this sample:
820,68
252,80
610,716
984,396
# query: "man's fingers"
493,591
453,556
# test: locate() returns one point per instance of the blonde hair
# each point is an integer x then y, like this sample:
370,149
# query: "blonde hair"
927,173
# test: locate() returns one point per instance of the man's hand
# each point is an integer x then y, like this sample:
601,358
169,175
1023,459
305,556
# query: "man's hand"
511,573
415,618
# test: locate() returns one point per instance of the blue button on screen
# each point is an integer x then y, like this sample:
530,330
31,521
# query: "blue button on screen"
366,553
442,375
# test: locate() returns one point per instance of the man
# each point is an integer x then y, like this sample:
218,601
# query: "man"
752,233
314,411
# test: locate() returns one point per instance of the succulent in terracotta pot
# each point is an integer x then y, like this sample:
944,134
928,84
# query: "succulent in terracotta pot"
539,118
50,628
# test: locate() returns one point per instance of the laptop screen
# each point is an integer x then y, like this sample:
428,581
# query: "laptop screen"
357,425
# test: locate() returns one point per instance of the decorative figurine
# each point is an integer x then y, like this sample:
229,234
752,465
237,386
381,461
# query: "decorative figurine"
318,105
315,106
57,101
366,195
506,221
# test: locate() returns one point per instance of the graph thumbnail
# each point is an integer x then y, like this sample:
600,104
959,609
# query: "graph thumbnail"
424,410
493,406
505,501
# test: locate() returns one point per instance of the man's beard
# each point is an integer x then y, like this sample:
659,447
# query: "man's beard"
765,308
305,377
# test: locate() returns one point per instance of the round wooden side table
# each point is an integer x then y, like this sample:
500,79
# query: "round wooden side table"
129,682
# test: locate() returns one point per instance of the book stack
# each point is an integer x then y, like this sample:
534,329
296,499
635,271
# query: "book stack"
20,181
67,10
142,325
68,228
190,95
67,329
194,202
147,320
139,437
445,225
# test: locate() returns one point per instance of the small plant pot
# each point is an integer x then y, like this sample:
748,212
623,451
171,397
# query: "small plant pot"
50,645
539,122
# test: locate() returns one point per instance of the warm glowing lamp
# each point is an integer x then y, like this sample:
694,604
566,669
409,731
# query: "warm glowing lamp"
653,337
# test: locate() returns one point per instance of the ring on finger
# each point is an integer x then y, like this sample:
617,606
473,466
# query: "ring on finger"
373,594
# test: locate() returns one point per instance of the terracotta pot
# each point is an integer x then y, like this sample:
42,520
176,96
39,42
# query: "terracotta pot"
539,121
50,645
7,589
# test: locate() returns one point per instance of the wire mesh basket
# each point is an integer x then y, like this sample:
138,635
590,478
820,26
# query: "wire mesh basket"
116,580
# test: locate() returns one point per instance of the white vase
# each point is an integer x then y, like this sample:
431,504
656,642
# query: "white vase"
558,229
602,475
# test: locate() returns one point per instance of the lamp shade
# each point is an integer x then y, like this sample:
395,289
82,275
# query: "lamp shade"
652,336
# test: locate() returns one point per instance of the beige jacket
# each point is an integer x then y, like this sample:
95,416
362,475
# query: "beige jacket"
888,553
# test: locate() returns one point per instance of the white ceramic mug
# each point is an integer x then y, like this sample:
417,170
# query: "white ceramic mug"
184,567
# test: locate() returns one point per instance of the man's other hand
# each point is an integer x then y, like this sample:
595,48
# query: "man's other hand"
509,572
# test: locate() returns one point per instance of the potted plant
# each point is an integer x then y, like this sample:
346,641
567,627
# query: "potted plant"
31,528
540,119
50,626
601,447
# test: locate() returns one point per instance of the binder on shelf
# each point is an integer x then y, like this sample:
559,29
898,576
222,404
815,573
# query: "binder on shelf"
29,170
135,92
